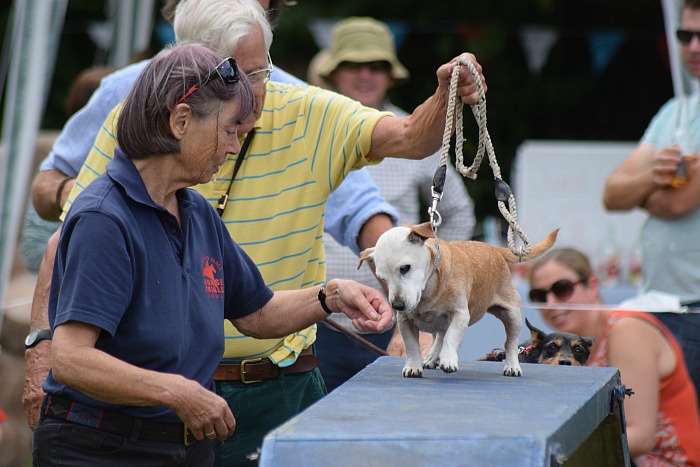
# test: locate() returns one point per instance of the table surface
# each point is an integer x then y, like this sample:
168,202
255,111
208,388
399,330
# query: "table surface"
475,416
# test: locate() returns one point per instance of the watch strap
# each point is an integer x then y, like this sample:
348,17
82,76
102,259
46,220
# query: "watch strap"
38,336
322,299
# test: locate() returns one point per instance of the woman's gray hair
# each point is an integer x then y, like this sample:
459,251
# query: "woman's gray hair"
143,127
220,24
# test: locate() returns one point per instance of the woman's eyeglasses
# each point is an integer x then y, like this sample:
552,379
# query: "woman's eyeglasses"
562,289
685,35
260,77
227,70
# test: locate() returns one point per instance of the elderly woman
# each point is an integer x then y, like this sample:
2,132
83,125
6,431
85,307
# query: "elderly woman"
146,273
663,427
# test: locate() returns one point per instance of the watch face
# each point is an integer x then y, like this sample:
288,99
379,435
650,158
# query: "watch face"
31,337
35,336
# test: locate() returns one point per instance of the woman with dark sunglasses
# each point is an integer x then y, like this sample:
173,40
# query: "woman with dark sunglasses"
663,425
146,273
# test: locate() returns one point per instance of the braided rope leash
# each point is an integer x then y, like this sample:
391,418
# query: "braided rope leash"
455,120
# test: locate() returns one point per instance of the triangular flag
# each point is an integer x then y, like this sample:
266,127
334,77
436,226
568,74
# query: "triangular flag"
537,42
602,45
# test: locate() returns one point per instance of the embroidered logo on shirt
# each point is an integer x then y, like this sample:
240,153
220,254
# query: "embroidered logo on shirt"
211,268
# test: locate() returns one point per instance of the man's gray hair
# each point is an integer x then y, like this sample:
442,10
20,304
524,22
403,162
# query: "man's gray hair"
220,24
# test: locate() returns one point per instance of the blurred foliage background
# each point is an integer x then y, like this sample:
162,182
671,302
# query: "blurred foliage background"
585,89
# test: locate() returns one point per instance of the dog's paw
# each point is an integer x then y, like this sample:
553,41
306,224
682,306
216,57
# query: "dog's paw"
430,363
512,370
449,366
409,372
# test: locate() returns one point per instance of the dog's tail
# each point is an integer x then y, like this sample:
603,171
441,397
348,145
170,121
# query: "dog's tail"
535,250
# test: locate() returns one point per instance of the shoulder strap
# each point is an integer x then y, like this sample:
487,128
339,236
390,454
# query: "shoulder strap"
239,160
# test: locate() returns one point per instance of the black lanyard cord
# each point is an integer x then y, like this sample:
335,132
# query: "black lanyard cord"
239,161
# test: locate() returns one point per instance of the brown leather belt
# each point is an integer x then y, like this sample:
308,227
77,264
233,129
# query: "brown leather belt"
259,369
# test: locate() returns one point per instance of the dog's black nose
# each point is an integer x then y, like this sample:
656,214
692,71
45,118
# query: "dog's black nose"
398,305
565,362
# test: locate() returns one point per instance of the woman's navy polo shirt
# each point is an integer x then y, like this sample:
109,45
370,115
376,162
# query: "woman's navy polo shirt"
158,290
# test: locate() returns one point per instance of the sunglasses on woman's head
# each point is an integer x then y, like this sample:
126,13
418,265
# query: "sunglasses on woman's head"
686,35
562,289
227,70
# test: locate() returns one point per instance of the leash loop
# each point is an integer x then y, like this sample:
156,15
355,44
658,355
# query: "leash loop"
454,121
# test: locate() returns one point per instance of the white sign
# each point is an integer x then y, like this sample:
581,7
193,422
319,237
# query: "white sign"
560,184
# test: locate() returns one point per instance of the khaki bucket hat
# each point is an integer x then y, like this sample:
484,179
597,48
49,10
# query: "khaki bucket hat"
362,40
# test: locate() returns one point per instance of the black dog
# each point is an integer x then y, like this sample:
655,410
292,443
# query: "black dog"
556,348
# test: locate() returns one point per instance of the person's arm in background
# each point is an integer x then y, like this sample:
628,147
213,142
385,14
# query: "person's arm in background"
639,370
38,358
673,202
356,214
49,191
644,180
649,168
631,184
67,156
75,141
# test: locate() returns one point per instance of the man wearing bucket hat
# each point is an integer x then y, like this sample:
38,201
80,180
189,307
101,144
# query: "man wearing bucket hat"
361,63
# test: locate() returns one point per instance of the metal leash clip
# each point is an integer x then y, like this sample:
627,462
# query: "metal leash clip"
435,217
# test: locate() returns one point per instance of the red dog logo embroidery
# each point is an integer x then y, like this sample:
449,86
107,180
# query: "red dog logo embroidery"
212,284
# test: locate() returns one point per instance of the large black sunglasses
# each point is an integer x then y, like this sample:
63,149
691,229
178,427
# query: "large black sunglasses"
685,35
227,70
562,289
376,66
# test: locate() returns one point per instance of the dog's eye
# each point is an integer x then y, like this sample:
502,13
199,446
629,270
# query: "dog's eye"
578,350
404,269
552,348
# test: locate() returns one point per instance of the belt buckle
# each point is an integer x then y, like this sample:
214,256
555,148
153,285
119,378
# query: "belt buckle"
243,364
185,439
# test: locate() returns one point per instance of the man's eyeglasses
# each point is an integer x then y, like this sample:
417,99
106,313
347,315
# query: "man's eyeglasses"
685,35
260,77
376,66
562,289
227,70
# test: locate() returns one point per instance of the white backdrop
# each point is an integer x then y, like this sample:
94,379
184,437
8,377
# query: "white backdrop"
560,184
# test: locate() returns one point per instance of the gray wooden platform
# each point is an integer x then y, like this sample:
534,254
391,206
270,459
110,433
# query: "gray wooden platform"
476,416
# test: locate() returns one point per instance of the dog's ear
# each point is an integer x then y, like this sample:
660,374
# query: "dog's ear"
420,233
367,255
588,341
536,335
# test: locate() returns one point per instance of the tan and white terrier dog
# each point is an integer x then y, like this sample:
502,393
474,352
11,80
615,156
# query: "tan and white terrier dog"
446,296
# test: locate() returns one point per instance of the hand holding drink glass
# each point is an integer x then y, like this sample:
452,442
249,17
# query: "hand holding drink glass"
682,173
671,166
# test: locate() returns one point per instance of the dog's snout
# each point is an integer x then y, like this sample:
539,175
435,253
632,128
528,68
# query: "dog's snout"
565,362
398,305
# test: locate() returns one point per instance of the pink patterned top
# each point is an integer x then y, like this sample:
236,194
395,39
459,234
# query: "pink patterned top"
678,422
